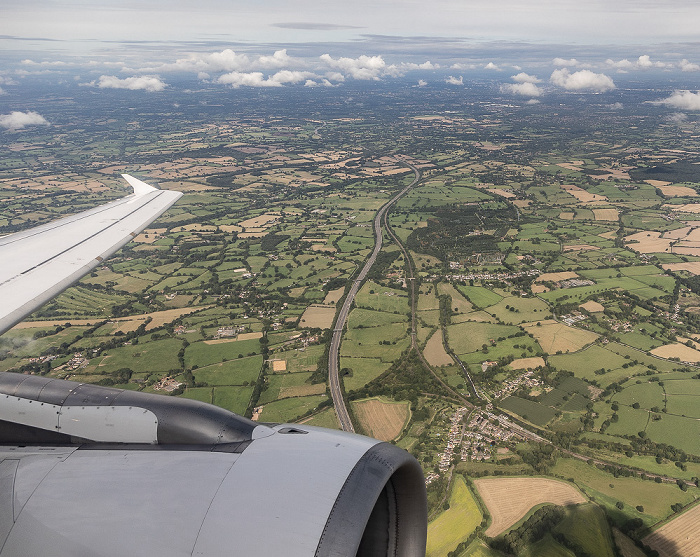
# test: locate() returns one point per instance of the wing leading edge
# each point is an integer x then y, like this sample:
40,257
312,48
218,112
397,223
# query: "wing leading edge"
39,263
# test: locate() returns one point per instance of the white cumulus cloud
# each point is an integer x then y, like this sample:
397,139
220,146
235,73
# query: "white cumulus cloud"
565,62
247,79
582,80
363,67
687,66
491,66
683,100
422,83
136,83
452,80
18,120
279,59
525,89
644,62
522,77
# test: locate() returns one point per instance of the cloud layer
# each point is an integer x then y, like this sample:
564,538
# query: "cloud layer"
684,100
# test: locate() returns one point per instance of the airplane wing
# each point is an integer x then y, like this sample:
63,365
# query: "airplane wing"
40,263
96,471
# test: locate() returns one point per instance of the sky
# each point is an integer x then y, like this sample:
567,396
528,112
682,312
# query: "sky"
529,46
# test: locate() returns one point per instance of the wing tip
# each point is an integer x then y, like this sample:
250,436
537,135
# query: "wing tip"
140,188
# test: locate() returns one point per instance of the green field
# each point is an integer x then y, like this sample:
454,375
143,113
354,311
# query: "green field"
289,409
470,337
656,499
455,524
479,296
586,526
234,372
534,412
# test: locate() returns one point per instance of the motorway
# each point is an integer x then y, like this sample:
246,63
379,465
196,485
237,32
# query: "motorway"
334,353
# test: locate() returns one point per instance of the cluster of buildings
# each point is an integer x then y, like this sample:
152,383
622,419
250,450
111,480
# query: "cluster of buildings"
454,438
42,359
508,387
76,362
573,318
490,276
167,384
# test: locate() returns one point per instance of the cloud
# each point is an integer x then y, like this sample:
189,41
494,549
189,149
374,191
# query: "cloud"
683,100
462,66
677,118
526,89
644,62
18,120
491,66
363,67
250,79
522,77
687,66
257,79
583,80
615,106
279,59
564,62
533,101
422,83
2,91
452,80
44,64
144,83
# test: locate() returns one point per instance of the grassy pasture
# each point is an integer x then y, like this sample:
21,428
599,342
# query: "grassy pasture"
655,498
202,354
534,412
470,336
479,296
454,524
363,371
554,337
289,409
527,309
233,372
587,527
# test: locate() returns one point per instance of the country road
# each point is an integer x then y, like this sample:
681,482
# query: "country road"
334,352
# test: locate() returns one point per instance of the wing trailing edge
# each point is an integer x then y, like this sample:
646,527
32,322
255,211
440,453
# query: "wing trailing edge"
39,263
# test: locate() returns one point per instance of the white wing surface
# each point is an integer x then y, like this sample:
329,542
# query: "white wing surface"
38,264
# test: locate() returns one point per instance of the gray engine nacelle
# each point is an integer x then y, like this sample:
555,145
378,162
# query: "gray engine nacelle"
199,481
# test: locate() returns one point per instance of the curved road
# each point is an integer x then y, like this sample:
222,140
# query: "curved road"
334,353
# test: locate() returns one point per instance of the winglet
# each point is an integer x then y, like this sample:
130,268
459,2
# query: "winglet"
140,188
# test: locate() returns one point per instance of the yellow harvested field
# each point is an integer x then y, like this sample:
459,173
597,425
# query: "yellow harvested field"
677,350
689,208
260,221
657,183
581,194
606,214
503,193
279,365
691,267
333,296
324,247
302,390
509,499
258,234
554,337
556,277
159,318
566,215
318,316
678,538
522,203
648,242
592,306
527,363
150,235
434,351
382,420
580,247
677,191
539,288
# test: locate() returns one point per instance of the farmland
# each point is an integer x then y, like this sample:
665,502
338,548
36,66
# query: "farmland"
509,499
